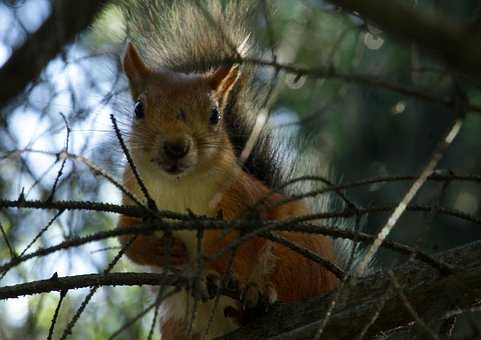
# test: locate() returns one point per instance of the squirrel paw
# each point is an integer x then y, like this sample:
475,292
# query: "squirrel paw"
207,287
254,301
252,296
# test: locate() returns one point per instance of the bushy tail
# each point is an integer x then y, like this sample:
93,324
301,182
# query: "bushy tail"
188,36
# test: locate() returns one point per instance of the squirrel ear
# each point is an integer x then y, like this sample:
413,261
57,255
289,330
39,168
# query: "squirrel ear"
133,66
223,79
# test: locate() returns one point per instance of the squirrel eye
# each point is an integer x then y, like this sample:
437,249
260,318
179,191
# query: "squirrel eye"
214,116
139,109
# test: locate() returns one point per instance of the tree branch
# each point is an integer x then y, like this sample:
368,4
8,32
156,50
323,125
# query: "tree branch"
330,72
69,17
458,45
107,279
423,285
425,288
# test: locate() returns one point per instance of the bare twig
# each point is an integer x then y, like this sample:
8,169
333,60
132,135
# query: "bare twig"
140,315
41,232
104,279
422,325
264,226
330,266
7,242
150,202
364,79
343,284
63,293
73,321
377,312
402,206
436,176
64,160
96,170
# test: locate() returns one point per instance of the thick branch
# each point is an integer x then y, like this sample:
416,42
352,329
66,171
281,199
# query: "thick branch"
458,45
69,17
108,279
424,287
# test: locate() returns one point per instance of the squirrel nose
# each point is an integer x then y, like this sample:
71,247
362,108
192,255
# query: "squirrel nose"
177,149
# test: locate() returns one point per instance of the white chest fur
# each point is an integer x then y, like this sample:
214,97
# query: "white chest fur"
182,195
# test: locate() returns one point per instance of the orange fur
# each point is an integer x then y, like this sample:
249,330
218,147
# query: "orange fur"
150,249
211,170
290,265
174,330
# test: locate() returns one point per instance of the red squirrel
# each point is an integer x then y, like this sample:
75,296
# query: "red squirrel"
189,126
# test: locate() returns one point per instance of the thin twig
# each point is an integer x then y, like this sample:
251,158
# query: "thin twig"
331,73
426,330
379,307
64,160
342,285
7,242
63,293
226,276
150,202
329,265
129,323
39,234
291,225
429,168
68,330
96,170
42,231
197,284
436,176
158,300
148,228
448,325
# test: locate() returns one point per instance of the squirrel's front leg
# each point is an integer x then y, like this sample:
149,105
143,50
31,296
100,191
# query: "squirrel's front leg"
151,249
250,267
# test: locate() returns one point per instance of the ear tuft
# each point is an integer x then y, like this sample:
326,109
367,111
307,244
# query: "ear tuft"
133,65
223,79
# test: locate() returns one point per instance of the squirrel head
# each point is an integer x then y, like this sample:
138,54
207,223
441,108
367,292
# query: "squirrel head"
178,118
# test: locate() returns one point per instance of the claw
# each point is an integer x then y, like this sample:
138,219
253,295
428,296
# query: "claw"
213,284
231,283
206,287
254,302
199,289
250,296
232,313
271,294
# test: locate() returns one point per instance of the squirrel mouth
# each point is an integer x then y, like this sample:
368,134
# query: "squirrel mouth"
173,169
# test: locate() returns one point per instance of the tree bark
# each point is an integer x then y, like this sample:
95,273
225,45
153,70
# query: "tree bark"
68,18
430,293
